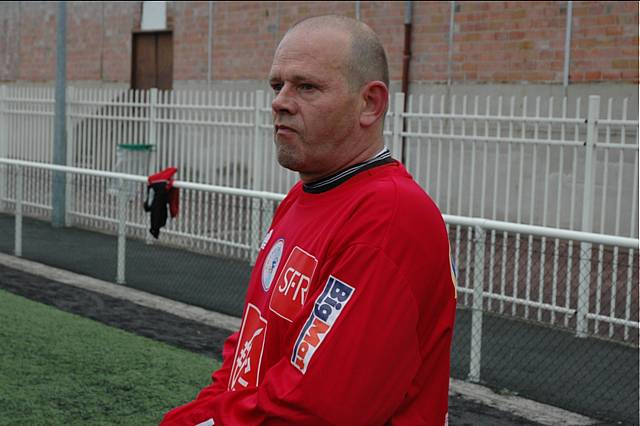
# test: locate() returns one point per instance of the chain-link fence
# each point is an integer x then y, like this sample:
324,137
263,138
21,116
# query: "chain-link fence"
550,315
524,300
569,283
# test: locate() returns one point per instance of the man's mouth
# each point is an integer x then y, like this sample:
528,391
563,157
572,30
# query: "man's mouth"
282,129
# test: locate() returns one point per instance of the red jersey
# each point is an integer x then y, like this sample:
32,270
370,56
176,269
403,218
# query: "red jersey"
348,316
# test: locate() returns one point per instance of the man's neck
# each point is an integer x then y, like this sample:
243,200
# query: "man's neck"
366,154
336,179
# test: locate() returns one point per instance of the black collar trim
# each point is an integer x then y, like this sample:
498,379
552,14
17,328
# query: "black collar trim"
333,181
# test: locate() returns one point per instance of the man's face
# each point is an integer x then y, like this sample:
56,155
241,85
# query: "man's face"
314,110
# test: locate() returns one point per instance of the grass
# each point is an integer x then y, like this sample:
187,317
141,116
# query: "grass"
61,369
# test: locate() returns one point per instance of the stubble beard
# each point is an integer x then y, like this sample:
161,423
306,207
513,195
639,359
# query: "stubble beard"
288,156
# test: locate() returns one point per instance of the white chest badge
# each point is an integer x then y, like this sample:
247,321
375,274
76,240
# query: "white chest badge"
271,262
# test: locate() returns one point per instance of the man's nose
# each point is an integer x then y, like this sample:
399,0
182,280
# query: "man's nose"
284,102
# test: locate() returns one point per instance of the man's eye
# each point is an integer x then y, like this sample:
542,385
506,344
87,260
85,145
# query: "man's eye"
307,86
276,87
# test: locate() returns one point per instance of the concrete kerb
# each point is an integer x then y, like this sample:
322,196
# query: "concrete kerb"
152,301
521,407
528,409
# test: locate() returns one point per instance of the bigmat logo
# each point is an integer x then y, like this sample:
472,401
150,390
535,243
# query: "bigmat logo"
246,362
326,311
292,285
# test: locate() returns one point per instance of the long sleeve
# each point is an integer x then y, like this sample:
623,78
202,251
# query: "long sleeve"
352,352
220,378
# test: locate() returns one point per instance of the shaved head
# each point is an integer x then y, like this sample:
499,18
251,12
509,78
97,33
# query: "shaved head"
366,61
330,79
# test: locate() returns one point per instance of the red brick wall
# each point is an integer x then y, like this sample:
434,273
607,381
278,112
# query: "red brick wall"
387,20
190,37
85,36
98,40
120,18
246,33
9,55
509,41
493,41
37,41
605,41
430,45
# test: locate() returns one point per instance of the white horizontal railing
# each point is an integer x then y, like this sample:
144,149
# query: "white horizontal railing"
136,178
542,231
487,224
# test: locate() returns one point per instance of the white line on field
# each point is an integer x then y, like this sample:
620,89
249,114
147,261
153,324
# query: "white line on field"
525,408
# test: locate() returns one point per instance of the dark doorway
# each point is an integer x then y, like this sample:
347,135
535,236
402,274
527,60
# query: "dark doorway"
152,60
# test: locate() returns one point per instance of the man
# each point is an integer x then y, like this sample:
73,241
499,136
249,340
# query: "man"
350,307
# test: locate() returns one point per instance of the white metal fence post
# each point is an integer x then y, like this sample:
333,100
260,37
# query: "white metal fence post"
4,145
153,125
398,110
122,231
19,193
70,180
476,310
584,278
255,214
153,132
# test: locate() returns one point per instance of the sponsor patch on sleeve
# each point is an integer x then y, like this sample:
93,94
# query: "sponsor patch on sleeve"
292,285
248,356
326,310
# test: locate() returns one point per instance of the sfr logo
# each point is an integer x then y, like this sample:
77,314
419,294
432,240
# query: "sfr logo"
296,282
293,284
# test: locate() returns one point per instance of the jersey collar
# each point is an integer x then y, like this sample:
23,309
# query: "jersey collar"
323,185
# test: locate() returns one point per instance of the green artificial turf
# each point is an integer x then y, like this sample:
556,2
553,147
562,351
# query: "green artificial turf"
61,369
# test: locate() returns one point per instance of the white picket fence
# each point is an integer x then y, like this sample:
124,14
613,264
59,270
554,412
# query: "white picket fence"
526,161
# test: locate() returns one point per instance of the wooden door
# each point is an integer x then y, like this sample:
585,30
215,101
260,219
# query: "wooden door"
152,60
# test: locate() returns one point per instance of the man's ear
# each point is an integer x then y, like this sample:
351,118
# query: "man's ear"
374,97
